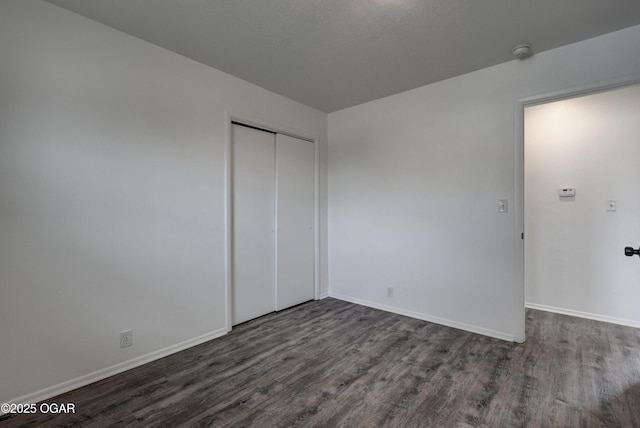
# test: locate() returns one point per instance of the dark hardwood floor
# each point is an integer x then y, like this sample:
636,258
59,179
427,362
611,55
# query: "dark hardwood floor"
335,364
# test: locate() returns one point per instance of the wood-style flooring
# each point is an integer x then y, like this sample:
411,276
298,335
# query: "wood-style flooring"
331,363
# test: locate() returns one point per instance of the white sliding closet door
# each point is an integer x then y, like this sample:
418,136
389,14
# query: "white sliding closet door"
253,237
295,207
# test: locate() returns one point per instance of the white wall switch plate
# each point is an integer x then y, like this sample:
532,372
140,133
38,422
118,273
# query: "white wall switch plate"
503,205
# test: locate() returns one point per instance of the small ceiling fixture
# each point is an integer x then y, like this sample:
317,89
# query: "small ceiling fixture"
522,51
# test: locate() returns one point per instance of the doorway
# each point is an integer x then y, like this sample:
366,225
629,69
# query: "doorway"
581,202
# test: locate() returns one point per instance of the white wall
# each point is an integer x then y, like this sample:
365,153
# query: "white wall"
414,181
574,248
111,196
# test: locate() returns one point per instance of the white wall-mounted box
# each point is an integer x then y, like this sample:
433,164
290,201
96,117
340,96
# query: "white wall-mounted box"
566,192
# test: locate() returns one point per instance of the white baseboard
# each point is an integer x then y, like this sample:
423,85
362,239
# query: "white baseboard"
81,381
426,317
581,314
323,296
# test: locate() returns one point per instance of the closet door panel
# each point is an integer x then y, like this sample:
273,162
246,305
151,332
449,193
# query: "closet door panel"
253,238
295,207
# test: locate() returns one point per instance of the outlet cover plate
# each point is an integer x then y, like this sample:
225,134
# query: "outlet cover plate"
126,338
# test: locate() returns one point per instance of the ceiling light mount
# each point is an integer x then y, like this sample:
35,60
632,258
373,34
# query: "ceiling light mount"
522,51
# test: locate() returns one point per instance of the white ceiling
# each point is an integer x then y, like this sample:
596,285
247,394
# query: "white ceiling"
332,54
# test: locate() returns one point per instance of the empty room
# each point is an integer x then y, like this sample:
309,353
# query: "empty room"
364,213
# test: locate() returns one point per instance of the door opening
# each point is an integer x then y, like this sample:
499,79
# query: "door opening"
574,171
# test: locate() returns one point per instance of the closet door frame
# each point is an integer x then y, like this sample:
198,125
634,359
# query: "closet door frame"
230,118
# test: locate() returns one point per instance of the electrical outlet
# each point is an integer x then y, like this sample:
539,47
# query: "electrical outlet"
390,292
126,338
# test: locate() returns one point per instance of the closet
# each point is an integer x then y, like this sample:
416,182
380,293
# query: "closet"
272,238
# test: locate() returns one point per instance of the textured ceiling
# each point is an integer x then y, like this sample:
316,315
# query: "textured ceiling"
332,54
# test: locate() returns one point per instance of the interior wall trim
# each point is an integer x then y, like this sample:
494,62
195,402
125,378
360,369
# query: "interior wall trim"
87,379
426,317
582,314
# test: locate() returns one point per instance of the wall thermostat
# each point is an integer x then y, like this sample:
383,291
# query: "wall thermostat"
566,192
